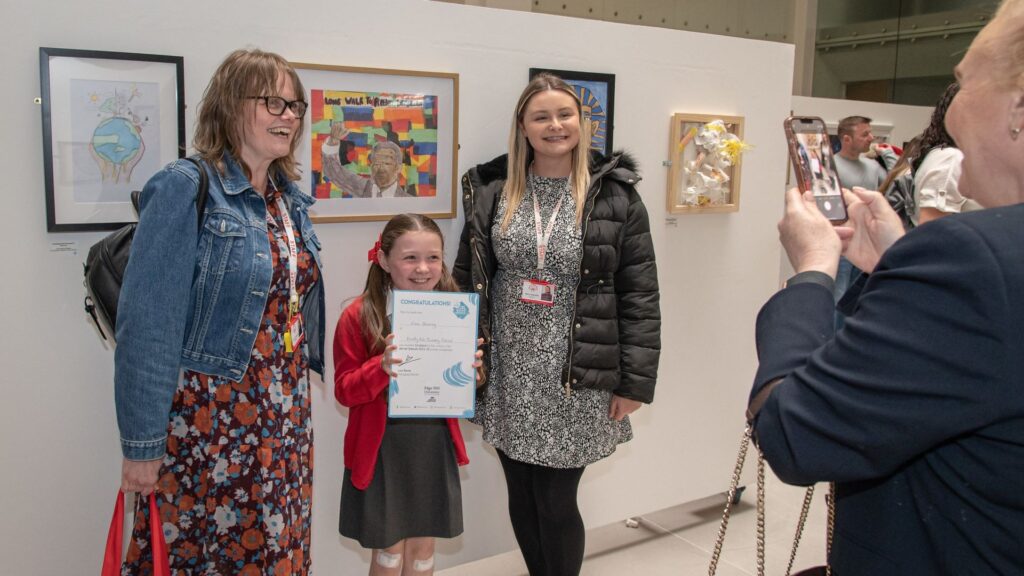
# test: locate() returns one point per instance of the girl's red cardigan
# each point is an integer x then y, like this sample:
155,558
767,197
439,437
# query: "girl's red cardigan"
361,385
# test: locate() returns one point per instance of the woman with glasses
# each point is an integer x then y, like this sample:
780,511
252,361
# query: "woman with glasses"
220,321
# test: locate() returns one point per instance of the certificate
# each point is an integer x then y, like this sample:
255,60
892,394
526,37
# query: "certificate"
435,333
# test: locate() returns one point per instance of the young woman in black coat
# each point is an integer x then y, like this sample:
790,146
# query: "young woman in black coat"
557,243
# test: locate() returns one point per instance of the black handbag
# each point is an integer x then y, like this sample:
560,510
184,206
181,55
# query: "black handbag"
108,258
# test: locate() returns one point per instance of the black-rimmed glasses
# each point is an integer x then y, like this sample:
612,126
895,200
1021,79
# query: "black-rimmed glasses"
276,105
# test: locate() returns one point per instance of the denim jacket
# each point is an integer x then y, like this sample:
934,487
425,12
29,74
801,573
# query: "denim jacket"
193,297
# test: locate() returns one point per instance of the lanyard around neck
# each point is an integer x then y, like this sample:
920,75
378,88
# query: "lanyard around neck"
293,254
543,237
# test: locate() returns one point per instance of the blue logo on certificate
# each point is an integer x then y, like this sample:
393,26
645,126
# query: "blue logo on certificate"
461,311
456,376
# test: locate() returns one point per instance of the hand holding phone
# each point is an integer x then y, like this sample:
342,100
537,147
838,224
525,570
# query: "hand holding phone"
814,164
811,242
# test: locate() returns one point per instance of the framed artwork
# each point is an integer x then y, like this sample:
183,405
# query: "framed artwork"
597,93
110,121
705,152
379,142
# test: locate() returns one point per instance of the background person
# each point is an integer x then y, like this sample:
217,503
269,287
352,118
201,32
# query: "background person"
854,170
931,162
914,408
936,168
213,403
855,140
898,186
565,374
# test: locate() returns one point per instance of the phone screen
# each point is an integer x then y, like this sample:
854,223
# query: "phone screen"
815,165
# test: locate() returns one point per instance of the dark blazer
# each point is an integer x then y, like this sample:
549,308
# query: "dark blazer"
916,407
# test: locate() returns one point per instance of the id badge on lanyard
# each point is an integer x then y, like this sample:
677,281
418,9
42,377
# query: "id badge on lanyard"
293,335
535,290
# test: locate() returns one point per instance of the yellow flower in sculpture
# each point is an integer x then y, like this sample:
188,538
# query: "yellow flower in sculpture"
731,148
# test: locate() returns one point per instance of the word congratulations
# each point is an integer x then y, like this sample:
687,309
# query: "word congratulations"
426,302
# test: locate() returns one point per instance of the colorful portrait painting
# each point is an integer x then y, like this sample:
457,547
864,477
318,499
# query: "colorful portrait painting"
373,144
381,142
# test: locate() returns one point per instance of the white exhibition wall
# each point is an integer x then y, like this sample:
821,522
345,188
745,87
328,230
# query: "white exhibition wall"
59,450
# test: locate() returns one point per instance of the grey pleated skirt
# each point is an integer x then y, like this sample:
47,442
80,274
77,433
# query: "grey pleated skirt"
415,490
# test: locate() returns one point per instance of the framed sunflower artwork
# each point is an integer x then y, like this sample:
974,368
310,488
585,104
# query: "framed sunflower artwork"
596,92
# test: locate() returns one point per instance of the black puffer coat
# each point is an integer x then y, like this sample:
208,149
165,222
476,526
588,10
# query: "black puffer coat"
616,330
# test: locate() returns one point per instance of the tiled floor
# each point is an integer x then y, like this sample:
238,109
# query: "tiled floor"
678,541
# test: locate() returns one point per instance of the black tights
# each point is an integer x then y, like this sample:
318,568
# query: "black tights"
545,516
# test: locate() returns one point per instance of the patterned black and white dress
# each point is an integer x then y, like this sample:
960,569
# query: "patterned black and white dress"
524,410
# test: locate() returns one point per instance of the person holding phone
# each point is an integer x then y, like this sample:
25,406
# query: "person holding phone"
914,408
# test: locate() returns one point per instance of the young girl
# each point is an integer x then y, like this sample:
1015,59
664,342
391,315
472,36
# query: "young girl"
401,487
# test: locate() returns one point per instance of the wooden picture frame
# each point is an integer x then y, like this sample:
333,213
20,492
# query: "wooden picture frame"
697,184
110,121
359,121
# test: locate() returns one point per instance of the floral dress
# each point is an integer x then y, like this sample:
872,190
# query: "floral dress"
524,410
236,484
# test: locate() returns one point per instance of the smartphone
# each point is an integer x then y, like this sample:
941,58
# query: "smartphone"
815,165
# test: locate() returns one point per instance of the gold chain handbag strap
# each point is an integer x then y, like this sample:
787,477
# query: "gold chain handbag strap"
731,498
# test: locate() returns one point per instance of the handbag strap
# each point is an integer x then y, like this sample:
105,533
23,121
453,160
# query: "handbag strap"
731,497
115,539
204,188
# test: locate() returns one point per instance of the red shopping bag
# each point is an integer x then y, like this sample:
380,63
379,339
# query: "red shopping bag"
115,536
